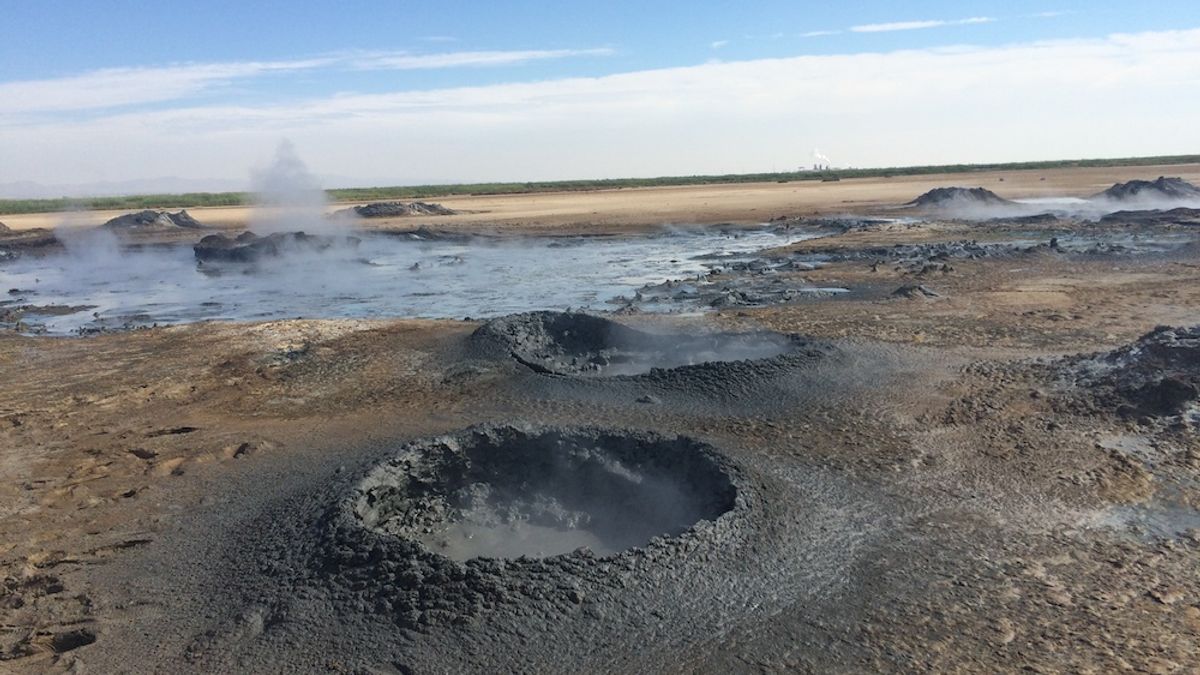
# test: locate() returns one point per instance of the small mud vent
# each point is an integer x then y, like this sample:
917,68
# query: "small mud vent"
580,344
508,492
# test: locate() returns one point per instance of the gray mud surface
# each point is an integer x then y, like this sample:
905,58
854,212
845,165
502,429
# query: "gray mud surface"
563,343
329,553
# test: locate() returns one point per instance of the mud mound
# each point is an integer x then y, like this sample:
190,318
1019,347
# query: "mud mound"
580,344
397,209
1162,188
959,197
1156,376
507,493
249,247
1177,216
150,219
4,228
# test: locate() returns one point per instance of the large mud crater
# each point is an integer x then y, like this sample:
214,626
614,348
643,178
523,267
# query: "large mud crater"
511,493
567,343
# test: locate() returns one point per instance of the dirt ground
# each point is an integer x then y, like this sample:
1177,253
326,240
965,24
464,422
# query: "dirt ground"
606,210
934,492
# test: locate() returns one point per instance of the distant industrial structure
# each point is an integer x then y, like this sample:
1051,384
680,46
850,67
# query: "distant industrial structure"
821,161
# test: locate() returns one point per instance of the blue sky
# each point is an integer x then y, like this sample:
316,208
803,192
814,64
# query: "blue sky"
485,91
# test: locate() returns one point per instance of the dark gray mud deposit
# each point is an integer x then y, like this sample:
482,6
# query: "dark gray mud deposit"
649,543
305,569
1179,216
565,343
397,209
249,247
959,197
1158,376
1162,188
149,219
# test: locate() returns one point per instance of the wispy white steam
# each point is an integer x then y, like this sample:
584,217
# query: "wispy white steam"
289,197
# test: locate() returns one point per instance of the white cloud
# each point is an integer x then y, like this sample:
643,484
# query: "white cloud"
820,33
132,86
1042,100
115,87
917,25
717,44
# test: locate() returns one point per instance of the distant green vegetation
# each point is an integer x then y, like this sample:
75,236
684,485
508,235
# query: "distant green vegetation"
372,194
130,203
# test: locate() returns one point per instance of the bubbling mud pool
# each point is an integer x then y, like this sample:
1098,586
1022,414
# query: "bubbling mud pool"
511,493
385,276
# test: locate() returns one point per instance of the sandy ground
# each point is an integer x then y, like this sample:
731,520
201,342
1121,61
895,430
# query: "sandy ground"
750,203
929,501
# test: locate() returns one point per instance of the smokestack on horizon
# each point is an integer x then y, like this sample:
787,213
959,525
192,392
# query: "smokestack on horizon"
822,161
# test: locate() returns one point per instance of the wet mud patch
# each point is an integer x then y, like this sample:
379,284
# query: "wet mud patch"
565,343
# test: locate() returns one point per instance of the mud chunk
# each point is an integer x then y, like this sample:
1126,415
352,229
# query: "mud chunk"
72,639
1167,396
915,291
149,219
249,247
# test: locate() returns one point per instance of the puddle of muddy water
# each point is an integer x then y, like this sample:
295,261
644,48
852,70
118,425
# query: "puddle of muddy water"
464,541
383,277
510,492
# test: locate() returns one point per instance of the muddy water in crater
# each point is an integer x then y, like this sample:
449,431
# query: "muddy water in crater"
465,540
383,277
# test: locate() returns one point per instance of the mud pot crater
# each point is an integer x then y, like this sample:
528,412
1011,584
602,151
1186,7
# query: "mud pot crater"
508,493
575,344
442,530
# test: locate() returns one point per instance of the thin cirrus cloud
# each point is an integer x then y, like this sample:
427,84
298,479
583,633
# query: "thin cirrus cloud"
392,61
918,25
116,87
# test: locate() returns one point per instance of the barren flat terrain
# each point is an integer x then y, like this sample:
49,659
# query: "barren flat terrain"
738,203
936,444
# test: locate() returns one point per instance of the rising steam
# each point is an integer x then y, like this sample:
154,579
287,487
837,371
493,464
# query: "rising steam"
289,197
